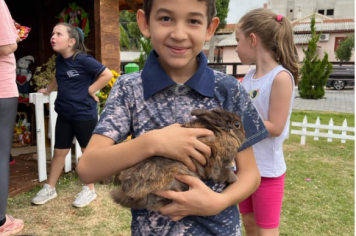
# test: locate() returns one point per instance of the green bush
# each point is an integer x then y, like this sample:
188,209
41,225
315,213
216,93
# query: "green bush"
344,51
315,72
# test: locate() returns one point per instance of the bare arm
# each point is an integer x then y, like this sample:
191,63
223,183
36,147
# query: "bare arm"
51,86
102,80
249,179
8,49
281,95
102,158
190,202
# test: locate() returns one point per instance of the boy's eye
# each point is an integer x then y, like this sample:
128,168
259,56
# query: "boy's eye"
195,22
165,18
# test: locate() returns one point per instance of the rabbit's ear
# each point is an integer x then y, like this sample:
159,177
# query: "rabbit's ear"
199,112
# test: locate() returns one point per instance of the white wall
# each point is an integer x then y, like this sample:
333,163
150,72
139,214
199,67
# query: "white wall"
129,56
342,8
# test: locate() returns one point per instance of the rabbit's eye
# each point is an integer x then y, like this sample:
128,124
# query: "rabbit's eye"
237,124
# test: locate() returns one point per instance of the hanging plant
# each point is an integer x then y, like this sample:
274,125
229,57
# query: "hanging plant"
76,16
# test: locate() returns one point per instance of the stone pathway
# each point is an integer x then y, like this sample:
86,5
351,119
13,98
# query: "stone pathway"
334,101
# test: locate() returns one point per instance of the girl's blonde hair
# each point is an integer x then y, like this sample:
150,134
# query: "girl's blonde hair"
276,34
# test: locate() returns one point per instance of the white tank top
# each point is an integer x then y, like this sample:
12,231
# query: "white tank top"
269,152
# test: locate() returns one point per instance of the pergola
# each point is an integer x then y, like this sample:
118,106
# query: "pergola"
108,50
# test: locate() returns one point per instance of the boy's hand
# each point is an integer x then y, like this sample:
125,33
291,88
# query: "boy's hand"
199,200
181,144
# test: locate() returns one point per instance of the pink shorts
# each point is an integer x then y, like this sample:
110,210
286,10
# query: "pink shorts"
265,202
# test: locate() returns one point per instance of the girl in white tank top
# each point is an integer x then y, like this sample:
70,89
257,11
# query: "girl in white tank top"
266,40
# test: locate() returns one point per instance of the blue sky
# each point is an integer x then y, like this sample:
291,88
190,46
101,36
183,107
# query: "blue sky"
237,8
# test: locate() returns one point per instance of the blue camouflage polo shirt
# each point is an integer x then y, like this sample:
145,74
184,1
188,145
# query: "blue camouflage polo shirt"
147,100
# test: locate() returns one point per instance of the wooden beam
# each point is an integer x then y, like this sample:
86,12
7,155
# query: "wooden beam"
127,8
97,8
132,5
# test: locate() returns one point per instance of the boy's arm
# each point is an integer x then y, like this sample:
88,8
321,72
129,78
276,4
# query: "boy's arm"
201,200
102,158
281,95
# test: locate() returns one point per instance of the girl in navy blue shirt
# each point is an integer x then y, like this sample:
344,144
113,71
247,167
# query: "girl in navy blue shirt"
78,77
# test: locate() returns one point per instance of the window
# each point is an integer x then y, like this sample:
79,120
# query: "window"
330,12
337,42
321,12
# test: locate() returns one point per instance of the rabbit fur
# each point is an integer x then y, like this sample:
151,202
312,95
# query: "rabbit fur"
157,173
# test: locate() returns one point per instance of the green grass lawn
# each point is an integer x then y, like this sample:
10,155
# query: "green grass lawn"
322,206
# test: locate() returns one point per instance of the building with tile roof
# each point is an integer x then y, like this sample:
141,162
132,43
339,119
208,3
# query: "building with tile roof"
297,9
332,32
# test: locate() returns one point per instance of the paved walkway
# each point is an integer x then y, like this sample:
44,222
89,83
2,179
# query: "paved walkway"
334,101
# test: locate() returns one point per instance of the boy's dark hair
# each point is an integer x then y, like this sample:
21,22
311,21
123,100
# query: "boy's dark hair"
78,35
211,12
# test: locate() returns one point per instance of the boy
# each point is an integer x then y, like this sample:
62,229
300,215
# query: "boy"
175,81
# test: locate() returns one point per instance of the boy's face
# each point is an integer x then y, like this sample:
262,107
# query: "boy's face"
178,31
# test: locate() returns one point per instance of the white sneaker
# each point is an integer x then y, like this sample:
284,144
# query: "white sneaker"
44,195
85,197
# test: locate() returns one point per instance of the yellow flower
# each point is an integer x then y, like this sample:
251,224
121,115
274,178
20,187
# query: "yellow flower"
114,73
104,92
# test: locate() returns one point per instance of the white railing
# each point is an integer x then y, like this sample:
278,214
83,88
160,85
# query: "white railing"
39,99
316,133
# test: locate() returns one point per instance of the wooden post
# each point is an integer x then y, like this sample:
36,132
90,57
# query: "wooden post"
52,119
316,129
304,129
343,133
107,33
38,99
330,131
40,135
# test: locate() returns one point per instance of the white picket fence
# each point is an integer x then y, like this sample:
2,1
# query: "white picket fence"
316,133
39,99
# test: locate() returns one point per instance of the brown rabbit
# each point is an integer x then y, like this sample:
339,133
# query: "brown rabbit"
157,173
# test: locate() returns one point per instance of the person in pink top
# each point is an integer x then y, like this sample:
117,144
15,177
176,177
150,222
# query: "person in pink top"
8,108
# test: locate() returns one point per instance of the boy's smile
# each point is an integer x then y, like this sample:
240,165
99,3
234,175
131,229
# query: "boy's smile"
178,31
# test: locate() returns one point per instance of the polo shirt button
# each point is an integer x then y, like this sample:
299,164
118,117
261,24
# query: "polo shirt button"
180,89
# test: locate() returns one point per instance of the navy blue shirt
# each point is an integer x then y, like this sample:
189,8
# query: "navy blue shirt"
74,77
147,100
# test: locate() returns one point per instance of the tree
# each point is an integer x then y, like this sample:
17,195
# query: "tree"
124,38
315,72
344,51
128,23
222,8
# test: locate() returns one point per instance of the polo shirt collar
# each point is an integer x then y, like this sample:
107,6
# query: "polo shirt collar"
155,79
